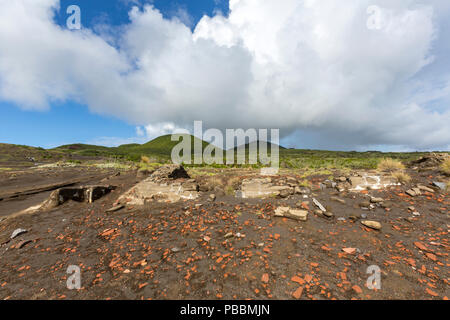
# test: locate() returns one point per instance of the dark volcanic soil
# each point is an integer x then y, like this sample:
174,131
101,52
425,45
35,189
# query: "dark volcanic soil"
179,251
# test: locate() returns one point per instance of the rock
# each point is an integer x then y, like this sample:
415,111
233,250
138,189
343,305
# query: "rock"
425,189
342,179
281,211
22,244
318,212
285,192
18,232
432,160
327,214
413,192
349,250
341,219
440,185
150,190
190,186
228,235
319,205
363,216
366,181
411,208
338,200
175,249
262,188
376,200
116,208
371,224
212,197
300,215
169,172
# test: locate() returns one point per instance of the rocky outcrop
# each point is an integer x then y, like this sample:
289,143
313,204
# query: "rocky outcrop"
431,161
169,183
169,172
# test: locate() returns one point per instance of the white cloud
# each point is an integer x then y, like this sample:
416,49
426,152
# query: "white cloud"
309,65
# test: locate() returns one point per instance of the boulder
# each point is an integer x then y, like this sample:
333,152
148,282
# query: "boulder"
169,172
295,214
371,224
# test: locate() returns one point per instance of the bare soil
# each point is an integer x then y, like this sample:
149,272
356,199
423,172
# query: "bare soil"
184,251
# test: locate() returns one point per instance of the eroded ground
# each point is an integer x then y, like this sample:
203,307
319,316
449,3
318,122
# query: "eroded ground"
227,248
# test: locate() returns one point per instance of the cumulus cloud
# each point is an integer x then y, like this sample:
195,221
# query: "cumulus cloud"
331,70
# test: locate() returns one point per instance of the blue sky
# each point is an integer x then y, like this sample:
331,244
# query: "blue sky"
329,74
71,122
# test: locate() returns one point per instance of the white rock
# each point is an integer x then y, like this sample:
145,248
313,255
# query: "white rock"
18,232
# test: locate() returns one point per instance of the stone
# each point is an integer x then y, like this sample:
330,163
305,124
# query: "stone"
190,186
263,188
228,235
116,208
18,232
170,172
413,192
150,190
440,185
338,200
425,189
300,215
349,250
212,197
327,214
363,216
22,244
281,211
371,224
285,192
319,205
376,200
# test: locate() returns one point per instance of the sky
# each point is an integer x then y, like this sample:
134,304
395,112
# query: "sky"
338,75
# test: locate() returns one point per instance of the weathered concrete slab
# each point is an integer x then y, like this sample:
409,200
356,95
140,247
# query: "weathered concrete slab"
367,181
263,188
169,183
148,190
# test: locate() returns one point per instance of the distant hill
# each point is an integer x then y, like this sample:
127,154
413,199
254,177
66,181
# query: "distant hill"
159,148
270,145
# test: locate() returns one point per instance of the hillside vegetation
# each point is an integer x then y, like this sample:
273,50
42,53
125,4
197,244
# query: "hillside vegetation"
159,151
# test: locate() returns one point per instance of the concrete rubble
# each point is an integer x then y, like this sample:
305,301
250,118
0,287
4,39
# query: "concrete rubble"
170,183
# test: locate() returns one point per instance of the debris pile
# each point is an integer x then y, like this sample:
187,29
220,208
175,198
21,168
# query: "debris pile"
431,161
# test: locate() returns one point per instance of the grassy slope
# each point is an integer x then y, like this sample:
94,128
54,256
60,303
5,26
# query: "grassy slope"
158,149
